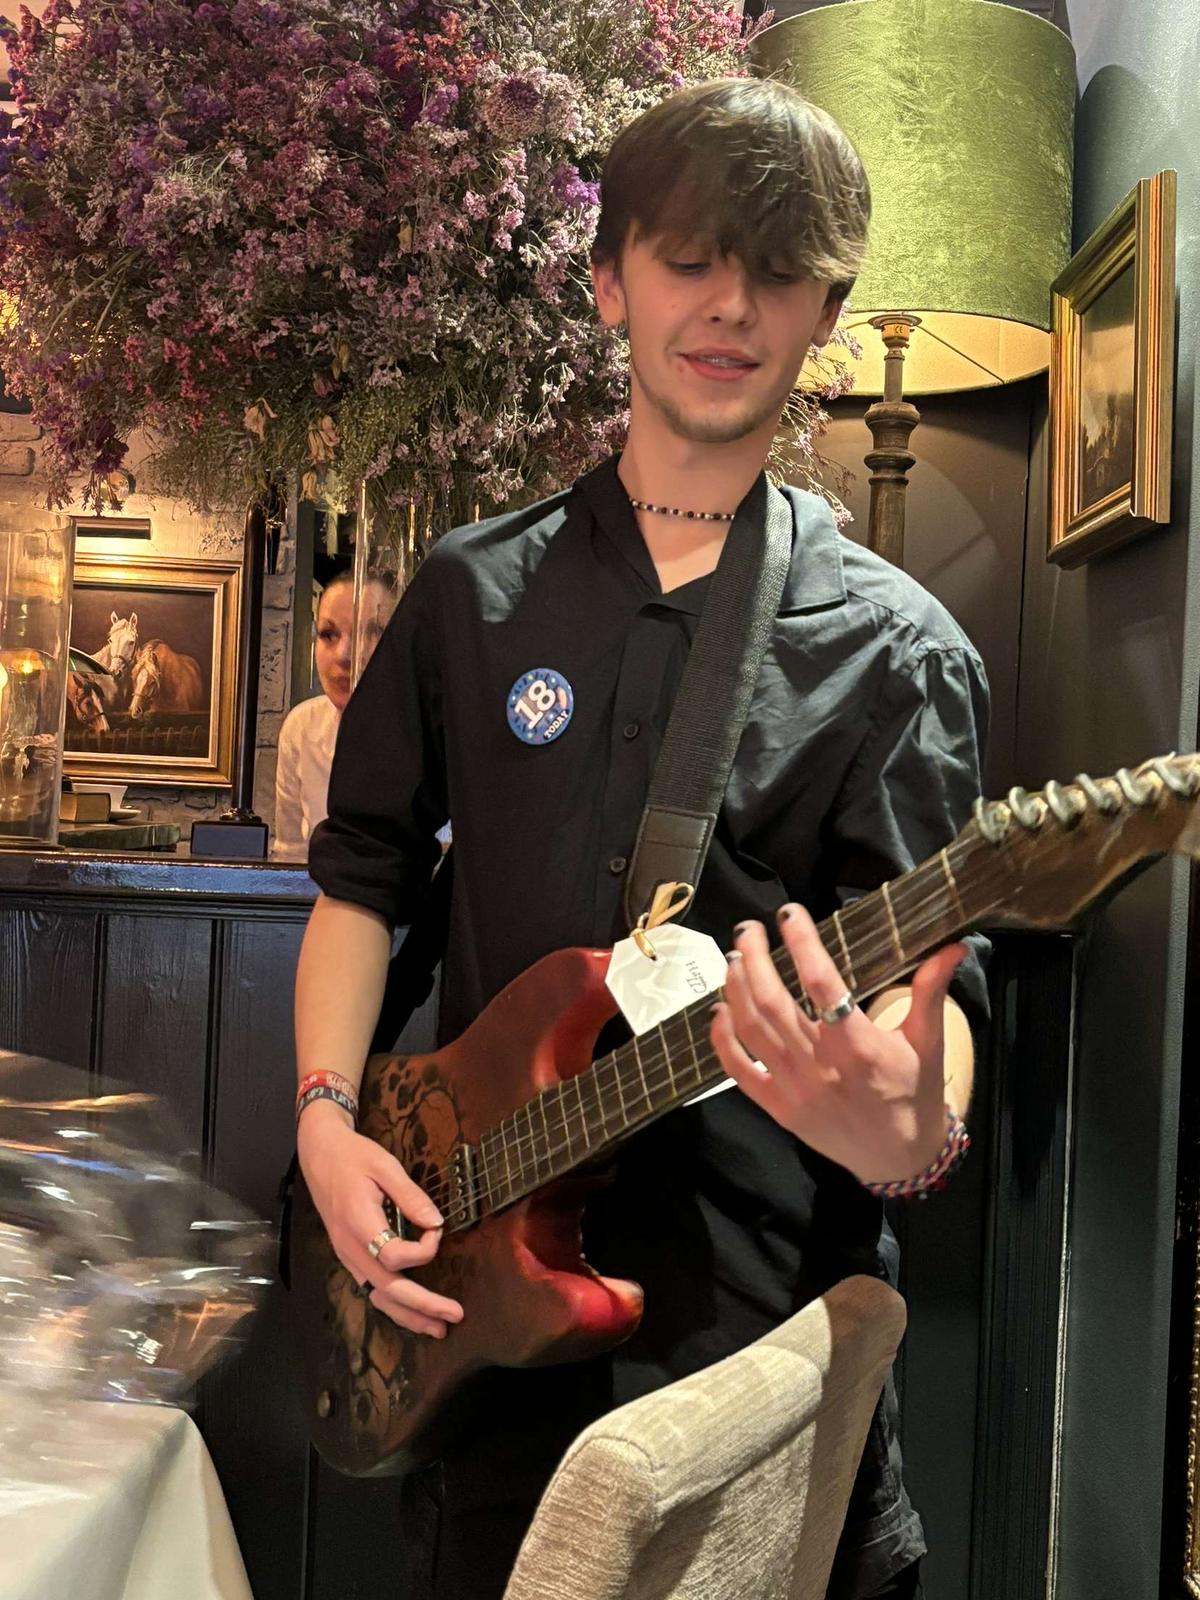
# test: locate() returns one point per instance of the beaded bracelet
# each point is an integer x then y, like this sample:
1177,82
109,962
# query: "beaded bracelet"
326,1091
936,1174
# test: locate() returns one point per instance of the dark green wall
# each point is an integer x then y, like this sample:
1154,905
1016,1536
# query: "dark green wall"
1091,669
1109,673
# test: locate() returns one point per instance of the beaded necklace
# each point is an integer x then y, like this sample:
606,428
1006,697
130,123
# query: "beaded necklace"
674,511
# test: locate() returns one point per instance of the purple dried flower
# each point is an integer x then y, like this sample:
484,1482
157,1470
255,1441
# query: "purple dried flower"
226,193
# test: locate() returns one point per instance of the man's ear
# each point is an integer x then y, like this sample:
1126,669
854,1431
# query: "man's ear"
610,295
830,313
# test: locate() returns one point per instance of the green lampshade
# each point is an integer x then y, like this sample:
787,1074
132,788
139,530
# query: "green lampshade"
963,113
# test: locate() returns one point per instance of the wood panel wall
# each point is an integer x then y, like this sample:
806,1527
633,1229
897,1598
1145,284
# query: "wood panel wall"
192,1001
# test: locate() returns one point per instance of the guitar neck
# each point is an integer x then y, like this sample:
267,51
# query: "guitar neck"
874,942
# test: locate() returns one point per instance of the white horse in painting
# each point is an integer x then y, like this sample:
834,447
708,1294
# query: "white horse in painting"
116,654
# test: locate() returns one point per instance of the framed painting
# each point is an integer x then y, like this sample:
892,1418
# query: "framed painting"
1112,379
156,702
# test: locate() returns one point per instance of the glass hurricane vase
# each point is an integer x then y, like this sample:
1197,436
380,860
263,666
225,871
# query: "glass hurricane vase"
35,620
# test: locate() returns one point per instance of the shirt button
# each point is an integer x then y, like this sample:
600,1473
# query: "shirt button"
631,730
617,866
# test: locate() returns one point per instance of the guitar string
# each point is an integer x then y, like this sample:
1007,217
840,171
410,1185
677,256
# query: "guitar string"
442,1183
863,952
441,1186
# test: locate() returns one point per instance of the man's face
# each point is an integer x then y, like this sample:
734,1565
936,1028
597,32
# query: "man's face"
715,348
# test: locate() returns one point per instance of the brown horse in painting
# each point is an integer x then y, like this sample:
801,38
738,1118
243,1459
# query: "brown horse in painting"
86,703
163,680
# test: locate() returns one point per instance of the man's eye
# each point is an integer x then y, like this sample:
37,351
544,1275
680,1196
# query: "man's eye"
688,267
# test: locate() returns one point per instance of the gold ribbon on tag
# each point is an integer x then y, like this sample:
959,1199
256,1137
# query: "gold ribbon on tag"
670,900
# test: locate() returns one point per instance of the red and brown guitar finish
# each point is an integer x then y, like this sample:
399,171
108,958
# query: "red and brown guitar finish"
502,1126
378,1384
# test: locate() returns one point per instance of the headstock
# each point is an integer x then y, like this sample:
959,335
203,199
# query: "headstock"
1055,853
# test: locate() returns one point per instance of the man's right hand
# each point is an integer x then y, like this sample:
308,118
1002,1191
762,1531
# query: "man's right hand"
349,1178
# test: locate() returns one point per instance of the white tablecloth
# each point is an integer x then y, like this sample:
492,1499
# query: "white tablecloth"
114,1502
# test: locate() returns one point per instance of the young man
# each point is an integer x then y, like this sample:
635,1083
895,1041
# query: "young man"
733,223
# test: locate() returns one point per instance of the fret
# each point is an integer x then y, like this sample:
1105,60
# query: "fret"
546,1130
886,892
565,1125
687,1022
510,1176
484,1170
577,1080
847,964
667,1058
637,1056
620,1087
512,1163
532,1137
952,881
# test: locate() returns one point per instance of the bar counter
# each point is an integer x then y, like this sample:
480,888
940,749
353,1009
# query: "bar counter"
183,877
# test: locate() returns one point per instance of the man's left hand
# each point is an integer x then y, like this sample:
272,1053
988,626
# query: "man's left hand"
871,1098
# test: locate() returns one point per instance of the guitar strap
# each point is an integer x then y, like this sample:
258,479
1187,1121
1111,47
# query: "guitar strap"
713,700
690,775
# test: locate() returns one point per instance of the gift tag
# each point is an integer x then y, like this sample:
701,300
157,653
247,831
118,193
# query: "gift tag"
689,966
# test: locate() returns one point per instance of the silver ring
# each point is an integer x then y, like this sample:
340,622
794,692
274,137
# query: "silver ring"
838,1012
384,1236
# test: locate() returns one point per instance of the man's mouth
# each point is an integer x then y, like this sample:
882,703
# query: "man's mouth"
722,365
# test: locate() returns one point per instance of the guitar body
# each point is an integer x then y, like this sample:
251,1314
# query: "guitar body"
380,1400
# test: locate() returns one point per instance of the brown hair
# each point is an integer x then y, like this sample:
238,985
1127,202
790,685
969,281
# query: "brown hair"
747,166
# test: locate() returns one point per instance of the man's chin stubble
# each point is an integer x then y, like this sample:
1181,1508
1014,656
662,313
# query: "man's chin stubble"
716,430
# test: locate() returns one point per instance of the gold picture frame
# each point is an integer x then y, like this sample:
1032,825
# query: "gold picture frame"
1112,379
164,631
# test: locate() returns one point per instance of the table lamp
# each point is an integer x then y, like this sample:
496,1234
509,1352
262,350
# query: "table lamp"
963,113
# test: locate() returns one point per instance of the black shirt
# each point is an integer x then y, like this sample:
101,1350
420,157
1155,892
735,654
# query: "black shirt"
860,757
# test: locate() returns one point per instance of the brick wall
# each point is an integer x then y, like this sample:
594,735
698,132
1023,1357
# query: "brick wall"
175,531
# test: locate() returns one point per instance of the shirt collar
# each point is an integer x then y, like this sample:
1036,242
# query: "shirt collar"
814,577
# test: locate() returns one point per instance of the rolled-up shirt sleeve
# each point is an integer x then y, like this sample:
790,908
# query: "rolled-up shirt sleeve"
913,785
378,846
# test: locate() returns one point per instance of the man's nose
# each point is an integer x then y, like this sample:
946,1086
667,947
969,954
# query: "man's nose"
732,298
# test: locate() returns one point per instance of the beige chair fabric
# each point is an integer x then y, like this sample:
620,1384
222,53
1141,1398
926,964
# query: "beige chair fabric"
728,1485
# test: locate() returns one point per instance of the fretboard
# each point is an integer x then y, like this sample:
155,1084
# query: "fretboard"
874,941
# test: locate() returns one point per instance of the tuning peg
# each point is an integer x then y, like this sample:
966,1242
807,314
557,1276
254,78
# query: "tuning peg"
1066,805
1028,809
1140,791
1104,800
1185,784
992,819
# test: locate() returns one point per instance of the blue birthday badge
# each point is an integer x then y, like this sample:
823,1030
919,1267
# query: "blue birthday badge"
540,706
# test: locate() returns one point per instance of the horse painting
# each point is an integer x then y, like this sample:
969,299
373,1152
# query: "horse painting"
162,680
86,703
118,650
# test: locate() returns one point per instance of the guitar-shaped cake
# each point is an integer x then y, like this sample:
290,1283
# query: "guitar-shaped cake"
500,1126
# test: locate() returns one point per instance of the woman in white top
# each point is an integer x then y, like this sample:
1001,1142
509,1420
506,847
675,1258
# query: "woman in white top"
309,730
